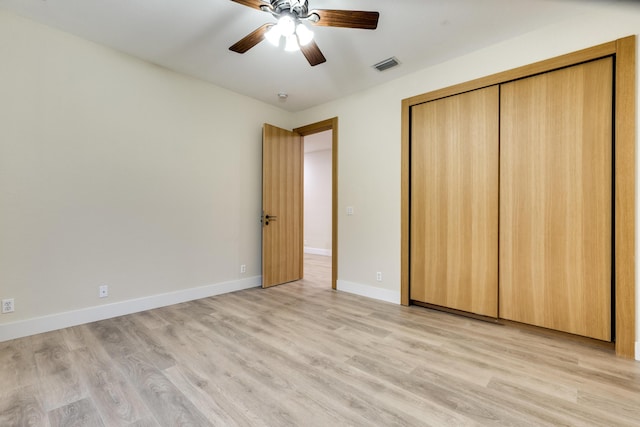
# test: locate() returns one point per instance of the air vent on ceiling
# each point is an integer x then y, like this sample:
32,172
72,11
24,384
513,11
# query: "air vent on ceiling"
386,64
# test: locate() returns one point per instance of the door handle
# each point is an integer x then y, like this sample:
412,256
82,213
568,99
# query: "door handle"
268,218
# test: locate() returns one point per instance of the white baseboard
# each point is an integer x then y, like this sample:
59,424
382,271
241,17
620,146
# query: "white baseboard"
637,350
317,251
23,328
369,291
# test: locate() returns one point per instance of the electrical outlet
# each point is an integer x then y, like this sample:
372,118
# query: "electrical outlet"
379,276
243,268
8,305
103,291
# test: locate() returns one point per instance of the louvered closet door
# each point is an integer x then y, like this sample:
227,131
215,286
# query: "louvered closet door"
454,202
555,200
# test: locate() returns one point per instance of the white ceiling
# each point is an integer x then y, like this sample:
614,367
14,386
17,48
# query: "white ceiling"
193,36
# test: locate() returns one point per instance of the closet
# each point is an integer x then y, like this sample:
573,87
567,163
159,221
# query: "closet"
509,196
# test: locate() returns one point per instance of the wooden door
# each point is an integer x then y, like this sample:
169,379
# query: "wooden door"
282,186
555,200
454,202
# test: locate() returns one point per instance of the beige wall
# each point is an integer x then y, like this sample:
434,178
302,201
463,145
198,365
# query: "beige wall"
115,171
369,139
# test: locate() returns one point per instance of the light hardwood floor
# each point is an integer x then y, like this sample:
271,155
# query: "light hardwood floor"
303,355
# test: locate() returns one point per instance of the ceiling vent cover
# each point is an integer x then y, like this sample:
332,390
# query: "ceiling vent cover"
386,64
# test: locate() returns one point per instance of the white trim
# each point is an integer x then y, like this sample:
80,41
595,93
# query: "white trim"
317,251
23,328
637,350
369,291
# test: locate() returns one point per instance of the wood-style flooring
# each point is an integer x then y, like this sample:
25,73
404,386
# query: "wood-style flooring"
301,354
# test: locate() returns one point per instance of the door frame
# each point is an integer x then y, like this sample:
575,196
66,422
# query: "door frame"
624,51
329,124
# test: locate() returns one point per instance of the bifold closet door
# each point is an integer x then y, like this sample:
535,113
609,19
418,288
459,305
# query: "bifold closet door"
556,199
454,202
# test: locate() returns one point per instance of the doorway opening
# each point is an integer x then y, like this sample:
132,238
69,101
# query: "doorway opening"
327,132
317,191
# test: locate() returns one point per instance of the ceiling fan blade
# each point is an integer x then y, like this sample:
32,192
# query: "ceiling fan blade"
311,51
251,39
346,18
255,4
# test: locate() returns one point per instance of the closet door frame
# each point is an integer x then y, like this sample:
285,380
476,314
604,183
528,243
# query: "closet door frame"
624,53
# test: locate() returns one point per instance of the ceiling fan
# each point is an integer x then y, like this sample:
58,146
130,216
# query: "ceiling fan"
291,16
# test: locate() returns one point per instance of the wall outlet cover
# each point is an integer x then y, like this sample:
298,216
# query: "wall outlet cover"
8,305
103,291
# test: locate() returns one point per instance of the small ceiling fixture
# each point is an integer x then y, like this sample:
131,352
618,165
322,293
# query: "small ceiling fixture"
292,16
283,95
386,64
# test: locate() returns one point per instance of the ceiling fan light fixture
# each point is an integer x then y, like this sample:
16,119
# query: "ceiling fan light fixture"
305,35
287,25
292,44
273,35
292,17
